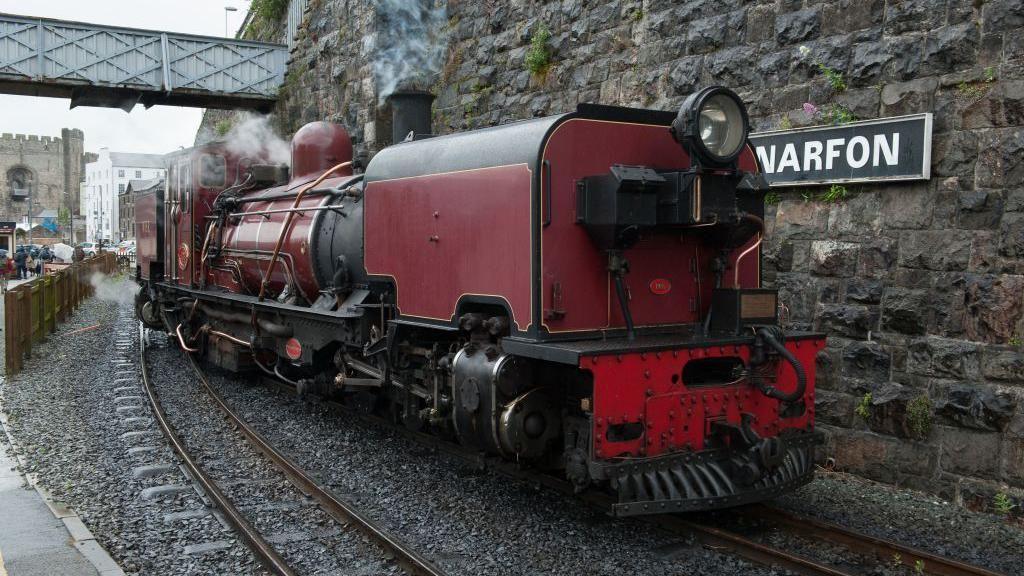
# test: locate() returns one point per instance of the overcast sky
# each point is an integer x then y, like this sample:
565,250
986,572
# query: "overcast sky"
158,130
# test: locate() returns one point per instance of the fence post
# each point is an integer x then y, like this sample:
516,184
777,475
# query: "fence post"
51,304
26,318
58,297
11,364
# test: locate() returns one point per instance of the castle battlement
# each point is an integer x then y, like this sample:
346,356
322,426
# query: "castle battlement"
26,138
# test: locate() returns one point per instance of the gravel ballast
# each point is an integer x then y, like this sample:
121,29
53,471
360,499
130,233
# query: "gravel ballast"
525,531
63,412
306,537
464,521
64,415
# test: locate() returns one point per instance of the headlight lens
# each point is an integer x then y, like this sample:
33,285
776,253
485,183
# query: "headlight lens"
712,126
721,126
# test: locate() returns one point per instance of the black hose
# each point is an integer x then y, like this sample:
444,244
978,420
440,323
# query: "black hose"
768,335
620,290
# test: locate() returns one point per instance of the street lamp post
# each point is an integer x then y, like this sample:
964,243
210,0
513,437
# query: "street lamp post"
226,10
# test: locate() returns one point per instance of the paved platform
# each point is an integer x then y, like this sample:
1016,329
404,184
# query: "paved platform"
32,540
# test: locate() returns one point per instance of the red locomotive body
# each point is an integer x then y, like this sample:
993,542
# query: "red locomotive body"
149,204
581,292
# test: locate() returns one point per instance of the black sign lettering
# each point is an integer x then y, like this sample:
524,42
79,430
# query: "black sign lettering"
885,149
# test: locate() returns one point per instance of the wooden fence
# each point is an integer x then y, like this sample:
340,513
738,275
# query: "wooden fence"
33,309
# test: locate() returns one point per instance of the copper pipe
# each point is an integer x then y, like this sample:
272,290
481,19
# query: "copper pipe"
226,336
736,282
181,340
299,211
288,222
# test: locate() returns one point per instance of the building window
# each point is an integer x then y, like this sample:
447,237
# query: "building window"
19,182
120,173
138,173
120,188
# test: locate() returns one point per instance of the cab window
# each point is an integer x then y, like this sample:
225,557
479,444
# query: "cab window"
212,171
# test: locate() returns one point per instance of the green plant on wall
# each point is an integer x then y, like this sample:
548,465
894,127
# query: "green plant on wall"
863,408
835,78
835,193
839,115
222,127
538,56
919,416
266,14
1002,503
63,216
269,10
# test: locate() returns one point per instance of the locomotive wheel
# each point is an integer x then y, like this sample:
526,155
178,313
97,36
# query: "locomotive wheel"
147,312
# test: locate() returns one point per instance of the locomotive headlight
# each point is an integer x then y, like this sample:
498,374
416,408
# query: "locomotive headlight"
712,125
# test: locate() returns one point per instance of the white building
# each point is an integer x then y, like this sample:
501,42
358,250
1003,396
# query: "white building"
105,179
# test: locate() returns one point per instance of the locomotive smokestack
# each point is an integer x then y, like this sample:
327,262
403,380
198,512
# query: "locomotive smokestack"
410,112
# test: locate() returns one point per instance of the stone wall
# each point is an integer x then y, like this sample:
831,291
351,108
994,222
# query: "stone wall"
919,286
56,167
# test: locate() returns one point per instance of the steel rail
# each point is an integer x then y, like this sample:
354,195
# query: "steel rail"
713,537
868,545
264,552
410,560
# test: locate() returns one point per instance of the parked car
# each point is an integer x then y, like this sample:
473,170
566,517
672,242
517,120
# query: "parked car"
125,245
30,249
89,248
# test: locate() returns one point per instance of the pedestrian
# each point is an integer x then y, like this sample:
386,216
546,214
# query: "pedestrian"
39,265
4,274
30,265
19,261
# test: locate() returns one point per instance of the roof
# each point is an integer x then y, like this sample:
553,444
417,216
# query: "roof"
143,184
133,160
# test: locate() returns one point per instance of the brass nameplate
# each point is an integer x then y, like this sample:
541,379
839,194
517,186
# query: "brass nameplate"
757,305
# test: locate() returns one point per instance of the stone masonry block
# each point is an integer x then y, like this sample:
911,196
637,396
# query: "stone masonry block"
1004,365
919,249
968,452
854,321
798,26
833,258
994,307
906,206
943,358
905,310
867,361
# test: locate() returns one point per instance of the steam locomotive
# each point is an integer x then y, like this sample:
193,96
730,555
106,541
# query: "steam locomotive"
579,293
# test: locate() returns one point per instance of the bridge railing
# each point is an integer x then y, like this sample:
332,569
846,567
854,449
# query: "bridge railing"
33,309
55,55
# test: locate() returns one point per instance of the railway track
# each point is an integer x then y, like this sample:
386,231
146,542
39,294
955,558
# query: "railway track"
876,552
345,513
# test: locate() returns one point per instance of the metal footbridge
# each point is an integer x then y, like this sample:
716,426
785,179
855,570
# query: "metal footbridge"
97,65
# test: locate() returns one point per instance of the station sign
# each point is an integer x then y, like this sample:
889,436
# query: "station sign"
8,227
886,149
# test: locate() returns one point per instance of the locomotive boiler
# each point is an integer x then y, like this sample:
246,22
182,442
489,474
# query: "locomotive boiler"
579,293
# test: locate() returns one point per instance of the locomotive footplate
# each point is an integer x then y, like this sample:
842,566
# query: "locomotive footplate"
706,480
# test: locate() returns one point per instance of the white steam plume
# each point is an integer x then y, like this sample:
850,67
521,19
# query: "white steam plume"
111,290
409,44
254,137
